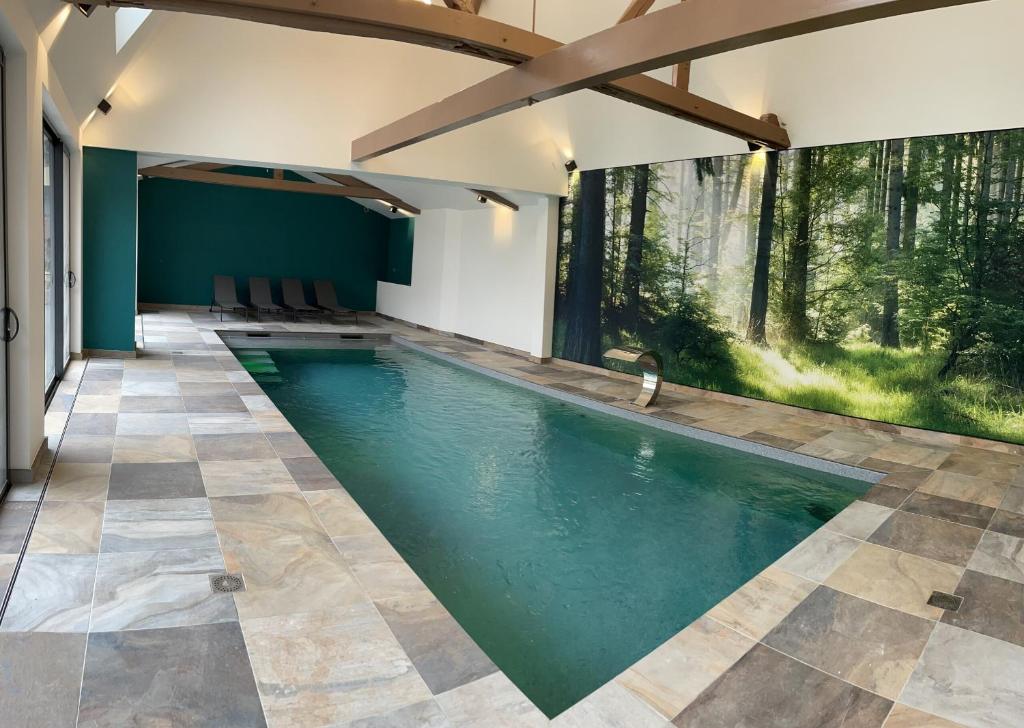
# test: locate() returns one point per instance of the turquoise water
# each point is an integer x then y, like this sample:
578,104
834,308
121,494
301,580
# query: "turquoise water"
568,543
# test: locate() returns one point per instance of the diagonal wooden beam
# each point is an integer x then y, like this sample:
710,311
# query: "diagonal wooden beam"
387,197
206,166
437,27
635,9
495,198
263,183
466,6
676,34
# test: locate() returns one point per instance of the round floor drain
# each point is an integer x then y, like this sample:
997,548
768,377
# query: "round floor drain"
226,582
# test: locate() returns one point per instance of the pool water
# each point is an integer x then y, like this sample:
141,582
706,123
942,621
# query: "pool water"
567,542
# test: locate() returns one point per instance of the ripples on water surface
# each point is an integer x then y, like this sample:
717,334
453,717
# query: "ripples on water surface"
567,542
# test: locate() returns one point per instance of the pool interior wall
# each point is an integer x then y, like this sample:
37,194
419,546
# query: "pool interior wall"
567,542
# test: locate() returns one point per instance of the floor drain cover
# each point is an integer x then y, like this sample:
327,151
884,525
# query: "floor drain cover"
949,602
226,582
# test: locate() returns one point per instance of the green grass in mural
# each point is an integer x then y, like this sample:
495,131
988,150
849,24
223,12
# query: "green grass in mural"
866,380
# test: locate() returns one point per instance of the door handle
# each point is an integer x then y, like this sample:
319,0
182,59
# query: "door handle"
72,279
8,315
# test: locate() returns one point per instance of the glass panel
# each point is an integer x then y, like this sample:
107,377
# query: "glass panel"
66,260
49,260
3,292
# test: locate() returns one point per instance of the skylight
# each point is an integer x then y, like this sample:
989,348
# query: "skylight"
126,22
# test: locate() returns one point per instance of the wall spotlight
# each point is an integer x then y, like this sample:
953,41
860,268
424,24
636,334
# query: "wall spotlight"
393,209
104,106
85,9
481,199
571,166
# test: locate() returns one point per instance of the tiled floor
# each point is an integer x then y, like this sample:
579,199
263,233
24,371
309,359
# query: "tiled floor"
174,467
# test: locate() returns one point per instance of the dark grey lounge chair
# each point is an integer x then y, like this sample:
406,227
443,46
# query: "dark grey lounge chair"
327,299
225,297
259,296
295,298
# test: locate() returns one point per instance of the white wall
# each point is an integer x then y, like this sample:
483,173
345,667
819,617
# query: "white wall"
31,85
482,273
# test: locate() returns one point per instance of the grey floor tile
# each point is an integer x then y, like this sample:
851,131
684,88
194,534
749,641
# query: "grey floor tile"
86,449
40,678
152,589
154,404
968,514
290,445
215,403
207,389
91,424
158,524
196,676
15,518
766,688
52,593
131,481
146,423
991,606
818,555
445,656
932,538
1008,522
150,389
969,678
869,645
310,473
1000,555
223,423
234,447
886,495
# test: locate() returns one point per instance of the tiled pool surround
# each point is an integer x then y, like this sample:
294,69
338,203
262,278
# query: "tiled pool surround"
832,634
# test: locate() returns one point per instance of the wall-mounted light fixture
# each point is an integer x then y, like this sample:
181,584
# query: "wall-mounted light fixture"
571,166
756,146
104,106
485,196
85,9
397,206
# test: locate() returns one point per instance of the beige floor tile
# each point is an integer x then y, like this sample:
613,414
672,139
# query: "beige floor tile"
67,527
492,701
78,482
895,579
759,605
339,513
675,673
964,487
610,706
154,449
818,555
907,454
859,519
903,716
97,403
246,477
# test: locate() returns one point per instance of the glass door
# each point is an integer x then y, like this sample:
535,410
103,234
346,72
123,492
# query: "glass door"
8,331
54,273
66,276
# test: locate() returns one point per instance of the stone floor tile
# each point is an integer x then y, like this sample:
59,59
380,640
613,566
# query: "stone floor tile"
381,571
272,422
100,387
91,424
154,449
339,513
818,555
1000,555
138,423
139,481
67,527
150,589
886,495
234,447
610,706
246,477
969,678
968,514
991,606
982,464
1008,522
207,389
224,423
15,519
158,524
871,646
932,538
895,579
906,453
52,593
444,655
766,688
675,673
968,488
86,449
859,519
290,445
760,604
105,403
331,668
152,404
903,716
1014,499
78,482
492,701
310,474
24,493
40,677
196,676
150,389
215,403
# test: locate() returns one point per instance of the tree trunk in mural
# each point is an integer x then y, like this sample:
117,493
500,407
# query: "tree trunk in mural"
911,196
765,228
635,248
714,236
890,335
794,286
583,294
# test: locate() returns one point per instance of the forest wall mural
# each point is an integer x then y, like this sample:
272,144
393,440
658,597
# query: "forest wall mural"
883,280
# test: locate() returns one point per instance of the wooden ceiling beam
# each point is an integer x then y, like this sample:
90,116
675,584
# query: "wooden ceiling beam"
495,198
676,34
206,166
386,197
436,27
635,9
264,183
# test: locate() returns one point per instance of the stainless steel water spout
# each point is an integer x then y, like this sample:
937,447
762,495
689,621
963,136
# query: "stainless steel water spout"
651,366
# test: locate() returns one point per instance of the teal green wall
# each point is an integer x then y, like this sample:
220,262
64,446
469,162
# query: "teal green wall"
190,231
398,263
108,249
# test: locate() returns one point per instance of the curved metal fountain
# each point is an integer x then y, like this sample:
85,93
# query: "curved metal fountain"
650,364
